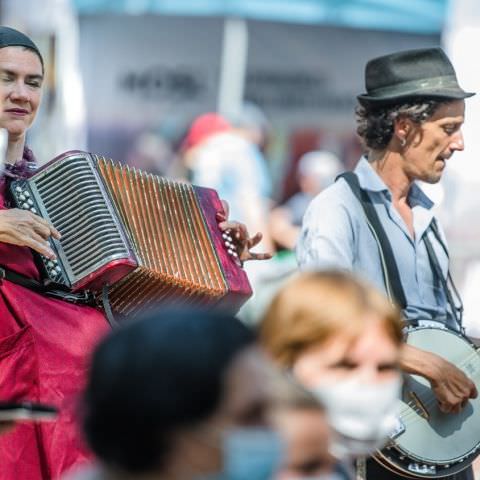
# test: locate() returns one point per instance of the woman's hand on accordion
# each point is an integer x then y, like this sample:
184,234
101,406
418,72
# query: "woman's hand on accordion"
240,237
23,228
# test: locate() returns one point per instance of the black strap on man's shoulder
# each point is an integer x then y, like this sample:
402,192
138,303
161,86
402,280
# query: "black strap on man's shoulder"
389,265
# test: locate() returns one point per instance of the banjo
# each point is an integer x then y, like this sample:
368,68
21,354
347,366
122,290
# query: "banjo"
426,442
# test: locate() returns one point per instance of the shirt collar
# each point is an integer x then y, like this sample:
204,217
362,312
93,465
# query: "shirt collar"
371,181
369,178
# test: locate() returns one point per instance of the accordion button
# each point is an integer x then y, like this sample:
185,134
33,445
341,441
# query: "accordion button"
58,269
18,189
22,197
25,205
30,202
26,193
50,264
33,210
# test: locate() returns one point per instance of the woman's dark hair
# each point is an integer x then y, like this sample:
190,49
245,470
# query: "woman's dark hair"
154,376
375,124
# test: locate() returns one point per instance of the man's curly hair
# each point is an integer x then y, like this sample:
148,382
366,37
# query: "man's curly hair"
375,125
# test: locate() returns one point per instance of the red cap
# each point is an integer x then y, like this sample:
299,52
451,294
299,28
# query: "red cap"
203,127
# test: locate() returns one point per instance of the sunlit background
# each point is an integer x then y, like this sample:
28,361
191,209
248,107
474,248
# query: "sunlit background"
126,77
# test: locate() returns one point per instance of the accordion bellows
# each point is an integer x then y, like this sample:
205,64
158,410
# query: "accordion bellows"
150,239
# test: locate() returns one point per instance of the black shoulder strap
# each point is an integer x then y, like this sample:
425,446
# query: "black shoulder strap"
107,308
84,297
50,289
389,266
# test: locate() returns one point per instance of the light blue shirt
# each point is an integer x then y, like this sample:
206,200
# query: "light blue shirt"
335,235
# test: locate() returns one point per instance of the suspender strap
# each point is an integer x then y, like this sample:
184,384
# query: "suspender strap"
450,281
389,266
455,306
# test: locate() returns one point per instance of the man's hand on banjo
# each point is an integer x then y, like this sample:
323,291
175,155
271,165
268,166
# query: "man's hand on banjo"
450,385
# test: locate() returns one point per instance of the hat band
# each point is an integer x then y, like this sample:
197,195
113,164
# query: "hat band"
445,81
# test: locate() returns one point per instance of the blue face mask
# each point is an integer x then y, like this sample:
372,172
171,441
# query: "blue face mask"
249,453
322,476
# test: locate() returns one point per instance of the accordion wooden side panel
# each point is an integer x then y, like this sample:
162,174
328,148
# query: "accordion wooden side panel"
179,246
235,277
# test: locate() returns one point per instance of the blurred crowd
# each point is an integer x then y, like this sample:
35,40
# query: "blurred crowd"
190,394
231,155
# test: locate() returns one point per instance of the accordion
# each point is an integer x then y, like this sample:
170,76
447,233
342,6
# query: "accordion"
146,238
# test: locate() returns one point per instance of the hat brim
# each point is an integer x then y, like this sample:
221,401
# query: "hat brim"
443,94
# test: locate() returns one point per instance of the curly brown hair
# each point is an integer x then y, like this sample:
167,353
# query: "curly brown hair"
375,125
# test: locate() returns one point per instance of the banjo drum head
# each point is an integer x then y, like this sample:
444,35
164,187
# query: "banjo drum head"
430,435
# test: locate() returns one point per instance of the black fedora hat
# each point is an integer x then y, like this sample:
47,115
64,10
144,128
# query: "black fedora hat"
411,74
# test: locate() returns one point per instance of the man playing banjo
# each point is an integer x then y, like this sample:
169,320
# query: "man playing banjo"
380,224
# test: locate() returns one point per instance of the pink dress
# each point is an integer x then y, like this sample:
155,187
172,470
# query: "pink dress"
45,346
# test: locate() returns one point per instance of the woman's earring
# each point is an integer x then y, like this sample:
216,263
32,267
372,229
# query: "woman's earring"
403,142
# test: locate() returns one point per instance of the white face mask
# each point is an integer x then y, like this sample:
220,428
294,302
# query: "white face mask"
361,415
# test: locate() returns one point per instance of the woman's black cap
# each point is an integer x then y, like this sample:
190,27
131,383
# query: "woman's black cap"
9,37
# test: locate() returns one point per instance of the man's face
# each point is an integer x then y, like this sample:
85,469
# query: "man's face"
432,143
21,79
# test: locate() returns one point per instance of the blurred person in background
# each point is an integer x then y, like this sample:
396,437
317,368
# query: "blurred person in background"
252,124
302,423
151,152
217,156
316,171
181,395
410,122
45,342
341,339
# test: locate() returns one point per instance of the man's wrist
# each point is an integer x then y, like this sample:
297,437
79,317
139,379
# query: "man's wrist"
420,362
